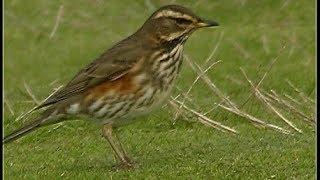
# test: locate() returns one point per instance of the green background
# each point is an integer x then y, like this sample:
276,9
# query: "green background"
250,35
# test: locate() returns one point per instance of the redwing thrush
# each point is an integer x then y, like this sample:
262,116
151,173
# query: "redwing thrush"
127,81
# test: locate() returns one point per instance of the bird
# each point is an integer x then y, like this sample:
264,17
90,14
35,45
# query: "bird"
127,81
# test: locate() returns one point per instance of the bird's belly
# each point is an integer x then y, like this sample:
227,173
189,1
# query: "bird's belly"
123,109
131,97
152,99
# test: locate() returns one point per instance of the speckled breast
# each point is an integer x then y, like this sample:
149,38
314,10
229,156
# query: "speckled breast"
124,100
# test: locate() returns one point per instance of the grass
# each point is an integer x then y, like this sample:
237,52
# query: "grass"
251,34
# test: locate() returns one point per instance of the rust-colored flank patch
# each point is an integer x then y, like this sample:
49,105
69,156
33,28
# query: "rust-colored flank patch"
122,85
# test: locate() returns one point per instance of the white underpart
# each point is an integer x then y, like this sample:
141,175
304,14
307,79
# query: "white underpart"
148,91
103,110
162,57
175,50
96,104
140,78
174,53
150,98
116,107
74,108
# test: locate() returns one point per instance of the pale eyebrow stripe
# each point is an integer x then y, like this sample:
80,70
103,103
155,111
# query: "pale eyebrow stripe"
168,13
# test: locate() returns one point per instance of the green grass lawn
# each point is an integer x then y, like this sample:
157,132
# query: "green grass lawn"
251,34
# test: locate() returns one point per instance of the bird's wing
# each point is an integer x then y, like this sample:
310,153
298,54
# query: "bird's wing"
108,67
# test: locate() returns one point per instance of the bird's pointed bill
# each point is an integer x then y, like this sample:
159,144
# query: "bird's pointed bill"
207,23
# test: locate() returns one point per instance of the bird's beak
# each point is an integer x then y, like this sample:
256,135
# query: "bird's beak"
206,23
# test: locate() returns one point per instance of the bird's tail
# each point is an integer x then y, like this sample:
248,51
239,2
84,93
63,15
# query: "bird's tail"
22,131
40,121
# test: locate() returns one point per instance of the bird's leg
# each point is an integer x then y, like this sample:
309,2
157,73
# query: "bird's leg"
107,133
122,147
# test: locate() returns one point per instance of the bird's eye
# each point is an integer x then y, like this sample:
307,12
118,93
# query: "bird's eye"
183,21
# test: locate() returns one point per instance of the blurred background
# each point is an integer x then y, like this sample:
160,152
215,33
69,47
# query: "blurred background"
47,42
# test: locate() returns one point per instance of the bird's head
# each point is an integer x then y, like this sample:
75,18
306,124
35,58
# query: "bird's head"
174,23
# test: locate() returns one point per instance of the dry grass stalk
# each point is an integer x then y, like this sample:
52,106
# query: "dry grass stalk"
232,107
205,119
293,40
8,105
270,67
265,43
62,124
304,97
215,107
27,101
179,108
150,5
207,80
215,48
55,127
234,80
285,105
292,99
264,99
192,85
58,19
185,95
32,110
175,106
53,82
264,75
255,120
243,2
237,45
35,100
285,4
